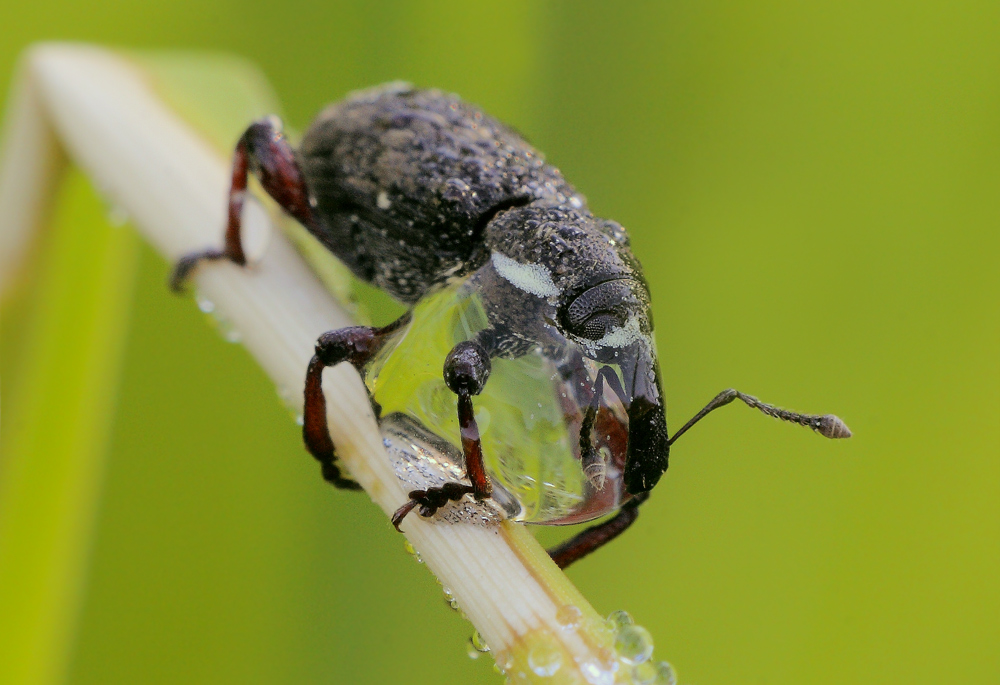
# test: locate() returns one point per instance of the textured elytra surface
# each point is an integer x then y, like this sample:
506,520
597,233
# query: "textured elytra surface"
404,180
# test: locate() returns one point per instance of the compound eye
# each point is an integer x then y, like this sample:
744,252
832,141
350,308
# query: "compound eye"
599,325
598,310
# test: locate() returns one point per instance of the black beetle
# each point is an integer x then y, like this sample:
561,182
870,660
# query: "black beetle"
455,215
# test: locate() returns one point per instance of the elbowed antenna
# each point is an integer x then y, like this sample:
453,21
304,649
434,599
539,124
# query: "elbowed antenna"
827,425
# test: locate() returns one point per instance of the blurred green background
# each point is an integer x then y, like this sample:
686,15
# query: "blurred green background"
814,189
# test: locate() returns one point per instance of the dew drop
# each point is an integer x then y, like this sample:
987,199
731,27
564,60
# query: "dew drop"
634,644
596,674
205,305
665,674
449,599
644,673
233,336
503,662
544,659
568,616
300,420
470,650
619,619
479,643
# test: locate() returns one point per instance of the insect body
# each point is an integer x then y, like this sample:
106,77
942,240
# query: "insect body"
523,382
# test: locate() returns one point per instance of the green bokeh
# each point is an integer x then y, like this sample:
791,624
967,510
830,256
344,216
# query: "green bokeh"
813,188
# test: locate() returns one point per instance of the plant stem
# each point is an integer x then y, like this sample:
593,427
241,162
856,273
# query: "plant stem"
172,183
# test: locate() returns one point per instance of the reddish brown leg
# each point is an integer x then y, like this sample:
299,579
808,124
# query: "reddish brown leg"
357,345
595,537
465,372
263,151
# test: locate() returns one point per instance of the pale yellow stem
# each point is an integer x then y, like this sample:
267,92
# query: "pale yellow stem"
173,186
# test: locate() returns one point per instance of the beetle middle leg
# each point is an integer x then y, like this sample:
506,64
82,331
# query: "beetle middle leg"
465,372
357,345
263,151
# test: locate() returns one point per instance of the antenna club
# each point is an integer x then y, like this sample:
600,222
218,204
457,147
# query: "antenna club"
831,426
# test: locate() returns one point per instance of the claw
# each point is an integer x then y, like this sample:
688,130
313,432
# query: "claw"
397,518
431,500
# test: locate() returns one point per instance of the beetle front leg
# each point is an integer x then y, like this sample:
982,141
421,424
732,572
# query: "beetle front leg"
466,369
263,151
357,345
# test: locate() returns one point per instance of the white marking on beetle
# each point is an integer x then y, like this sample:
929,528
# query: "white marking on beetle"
619,337
383,200
531,278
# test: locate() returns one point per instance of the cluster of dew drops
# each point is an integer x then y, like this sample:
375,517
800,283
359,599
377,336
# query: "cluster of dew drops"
225,326
633,647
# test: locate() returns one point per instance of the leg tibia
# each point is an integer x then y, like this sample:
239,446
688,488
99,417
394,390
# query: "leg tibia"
466,370
265,152
357,345
595,537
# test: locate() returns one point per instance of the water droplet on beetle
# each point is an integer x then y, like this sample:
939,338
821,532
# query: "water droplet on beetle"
634,644
454,189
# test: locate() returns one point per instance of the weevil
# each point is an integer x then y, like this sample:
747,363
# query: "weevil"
506,275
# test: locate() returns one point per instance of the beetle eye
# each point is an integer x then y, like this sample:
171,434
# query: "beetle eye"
599,325
598,310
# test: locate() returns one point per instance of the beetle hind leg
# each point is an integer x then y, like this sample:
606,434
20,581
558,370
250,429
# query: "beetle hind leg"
263,151
595,537
465,372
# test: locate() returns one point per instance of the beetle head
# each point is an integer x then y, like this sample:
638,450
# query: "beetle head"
580,269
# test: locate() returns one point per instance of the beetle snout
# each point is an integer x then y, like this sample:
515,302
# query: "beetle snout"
648,444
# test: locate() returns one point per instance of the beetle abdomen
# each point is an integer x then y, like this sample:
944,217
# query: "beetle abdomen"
405,181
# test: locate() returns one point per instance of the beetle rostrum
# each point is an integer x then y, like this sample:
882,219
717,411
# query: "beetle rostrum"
523,381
